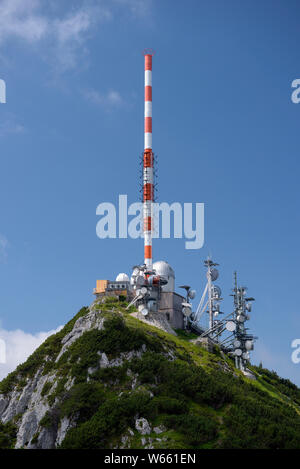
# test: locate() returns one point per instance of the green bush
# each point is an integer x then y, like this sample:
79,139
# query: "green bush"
115,337
179,380
284,386
46,388
196,429
169,405
253,426
113,375
8,434
83,400
112,418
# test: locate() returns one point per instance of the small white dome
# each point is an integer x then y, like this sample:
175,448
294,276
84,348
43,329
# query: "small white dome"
122,278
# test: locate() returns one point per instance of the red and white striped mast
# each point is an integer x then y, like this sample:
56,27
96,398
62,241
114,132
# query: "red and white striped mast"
148,163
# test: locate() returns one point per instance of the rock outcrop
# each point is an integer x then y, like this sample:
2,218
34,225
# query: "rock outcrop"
28,406
157,320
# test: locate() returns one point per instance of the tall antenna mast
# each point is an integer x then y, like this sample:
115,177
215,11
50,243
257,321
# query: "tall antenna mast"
211,305
235,289
148,160
211,275
242,342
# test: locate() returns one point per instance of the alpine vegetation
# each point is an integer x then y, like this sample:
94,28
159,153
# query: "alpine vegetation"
109,380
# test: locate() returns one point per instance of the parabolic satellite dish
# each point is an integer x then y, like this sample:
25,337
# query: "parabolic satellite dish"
143,310
187,311
143,291
192,294
216,291
139,280
231,326
241,318
249,345
214,274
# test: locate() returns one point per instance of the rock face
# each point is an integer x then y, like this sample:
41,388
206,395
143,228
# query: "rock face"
159,429
28,406
93,320
142,426
205,342
65,425
157,320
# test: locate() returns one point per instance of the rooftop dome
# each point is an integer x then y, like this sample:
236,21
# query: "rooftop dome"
122,278
164,269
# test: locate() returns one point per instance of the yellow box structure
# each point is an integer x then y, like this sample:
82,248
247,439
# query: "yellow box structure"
101,286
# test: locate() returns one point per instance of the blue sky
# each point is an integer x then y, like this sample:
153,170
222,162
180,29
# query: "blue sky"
224,128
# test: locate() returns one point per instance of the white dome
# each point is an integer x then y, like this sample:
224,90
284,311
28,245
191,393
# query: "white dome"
164,269
122,278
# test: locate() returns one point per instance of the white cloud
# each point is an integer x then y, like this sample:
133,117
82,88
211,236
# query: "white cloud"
10,127
107,100
71,28
71,33
4,244
20,18
63,35
19,345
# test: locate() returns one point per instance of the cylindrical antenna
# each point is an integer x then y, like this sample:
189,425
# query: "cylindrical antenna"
148,186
